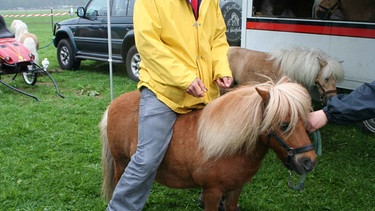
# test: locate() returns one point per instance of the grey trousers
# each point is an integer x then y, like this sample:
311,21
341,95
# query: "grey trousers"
155,128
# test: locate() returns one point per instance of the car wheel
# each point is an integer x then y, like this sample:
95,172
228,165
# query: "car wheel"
65,56
132,63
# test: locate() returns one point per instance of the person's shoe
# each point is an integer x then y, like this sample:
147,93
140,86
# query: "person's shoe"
367,126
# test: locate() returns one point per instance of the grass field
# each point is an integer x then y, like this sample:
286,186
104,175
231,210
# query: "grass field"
50,151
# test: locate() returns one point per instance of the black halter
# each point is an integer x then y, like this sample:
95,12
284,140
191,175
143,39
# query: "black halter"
324,93
290,150
330,11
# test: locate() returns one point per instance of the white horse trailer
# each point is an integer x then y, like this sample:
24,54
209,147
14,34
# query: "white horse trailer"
271,24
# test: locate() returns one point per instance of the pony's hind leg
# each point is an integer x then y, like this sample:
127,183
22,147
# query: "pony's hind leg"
119,169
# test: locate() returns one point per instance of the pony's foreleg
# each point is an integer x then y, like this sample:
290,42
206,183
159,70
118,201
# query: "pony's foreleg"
107,161
211,198
231,200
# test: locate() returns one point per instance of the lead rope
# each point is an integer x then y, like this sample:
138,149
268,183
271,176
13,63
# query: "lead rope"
45,45
300,185
317,142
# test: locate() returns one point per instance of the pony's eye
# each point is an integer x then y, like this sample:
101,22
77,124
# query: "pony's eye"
326,79
284,126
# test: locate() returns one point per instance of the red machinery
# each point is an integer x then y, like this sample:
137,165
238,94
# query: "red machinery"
16,59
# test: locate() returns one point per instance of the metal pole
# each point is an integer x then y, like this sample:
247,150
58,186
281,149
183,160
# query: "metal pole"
110,48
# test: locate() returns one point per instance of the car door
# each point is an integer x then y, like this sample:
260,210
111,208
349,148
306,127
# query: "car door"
91,31
121,23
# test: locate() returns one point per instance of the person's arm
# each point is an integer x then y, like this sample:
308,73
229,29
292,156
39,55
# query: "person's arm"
357,106
223,75
148,31
316,120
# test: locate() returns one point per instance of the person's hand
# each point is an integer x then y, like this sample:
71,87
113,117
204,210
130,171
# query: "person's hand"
197,88
224,82
316,120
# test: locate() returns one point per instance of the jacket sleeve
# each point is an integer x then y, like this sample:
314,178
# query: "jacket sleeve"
148,29
357,106
220,49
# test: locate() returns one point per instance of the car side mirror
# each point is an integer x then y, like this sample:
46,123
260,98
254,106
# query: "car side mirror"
81,12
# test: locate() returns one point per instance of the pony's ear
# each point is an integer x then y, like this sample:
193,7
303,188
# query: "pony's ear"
322,62
264,94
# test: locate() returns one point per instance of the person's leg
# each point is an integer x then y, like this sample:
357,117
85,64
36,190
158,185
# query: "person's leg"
155,127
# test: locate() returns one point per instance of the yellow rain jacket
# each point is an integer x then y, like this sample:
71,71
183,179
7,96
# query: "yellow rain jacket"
176,49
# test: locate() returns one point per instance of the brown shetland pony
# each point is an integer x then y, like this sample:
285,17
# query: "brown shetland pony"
221,147
307,66
352,10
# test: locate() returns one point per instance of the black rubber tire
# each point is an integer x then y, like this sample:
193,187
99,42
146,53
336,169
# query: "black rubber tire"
29,77
66,55
132,63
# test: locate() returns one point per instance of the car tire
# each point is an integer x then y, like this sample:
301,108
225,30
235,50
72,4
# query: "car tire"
66,56
132,63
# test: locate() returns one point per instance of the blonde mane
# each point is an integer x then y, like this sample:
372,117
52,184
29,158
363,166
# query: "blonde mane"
296,61
19,28
234,121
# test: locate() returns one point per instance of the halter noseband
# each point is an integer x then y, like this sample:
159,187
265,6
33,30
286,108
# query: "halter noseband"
290,150
332,10
324,93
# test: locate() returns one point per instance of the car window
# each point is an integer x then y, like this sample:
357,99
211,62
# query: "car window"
130,7
96,8
119,7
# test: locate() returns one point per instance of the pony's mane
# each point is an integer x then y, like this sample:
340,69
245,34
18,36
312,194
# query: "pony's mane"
234,121
304,64
19,28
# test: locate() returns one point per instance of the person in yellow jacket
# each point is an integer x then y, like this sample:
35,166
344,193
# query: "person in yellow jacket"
184,62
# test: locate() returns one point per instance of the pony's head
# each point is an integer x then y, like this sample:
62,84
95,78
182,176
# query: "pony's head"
284,124
310,66
324,9
331,72
263,113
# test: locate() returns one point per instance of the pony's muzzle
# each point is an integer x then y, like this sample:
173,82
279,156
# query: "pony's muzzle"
304,165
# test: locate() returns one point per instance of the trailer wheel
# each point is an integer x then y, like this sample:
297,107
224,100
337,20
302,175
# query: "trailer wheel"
29,77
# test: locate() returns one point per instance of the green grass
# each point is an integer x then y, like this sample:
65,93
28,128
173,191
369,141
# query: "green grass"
50,150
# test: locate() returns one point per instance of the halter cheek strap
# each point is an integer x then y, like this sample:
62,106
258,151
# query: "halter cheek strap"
290,150
324,93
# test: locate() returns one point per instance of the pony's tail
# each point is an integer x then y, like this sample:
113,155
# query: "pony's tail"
107,161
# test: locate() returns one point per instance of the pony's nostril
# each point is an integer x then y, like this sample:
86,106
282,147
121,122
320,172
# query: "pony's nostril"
307,165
